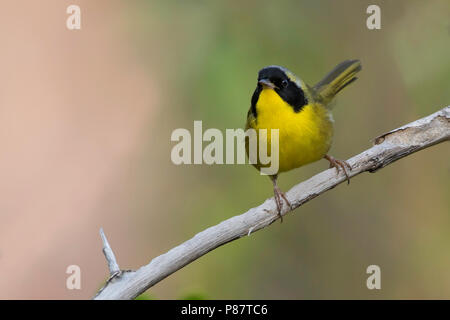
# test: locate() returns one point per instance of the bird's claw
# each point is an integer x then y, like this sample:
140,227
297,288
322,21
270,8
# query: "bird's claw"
339,164
279,196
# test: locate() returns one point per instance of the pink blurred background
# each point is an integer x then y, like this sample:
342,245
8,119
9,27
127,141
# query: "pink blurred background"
74,106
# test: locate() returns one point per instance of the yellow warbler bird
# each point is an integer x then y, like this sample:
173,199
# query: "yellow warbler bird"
301,113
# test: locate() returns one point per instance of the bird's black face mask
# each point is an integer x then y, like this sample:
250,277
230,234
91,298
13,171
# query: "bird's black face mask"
275,77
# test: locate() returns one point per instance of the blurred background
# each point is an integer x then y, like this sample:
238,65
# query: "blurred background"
85,123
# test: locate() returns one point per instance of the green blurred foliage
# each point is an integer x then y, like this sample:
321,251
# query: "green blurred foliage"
187,296
194,296
144,296
204,57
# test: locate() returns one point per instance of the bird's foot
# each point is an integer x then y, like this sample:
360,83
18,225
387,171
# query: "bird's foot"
279,196
339,164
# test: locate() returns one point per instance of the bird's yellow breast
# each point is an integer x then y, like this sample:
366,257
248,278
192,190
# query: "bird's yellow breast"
304,136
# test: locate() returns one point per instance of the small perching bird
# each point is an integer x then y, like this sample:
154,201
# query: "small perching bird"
301,113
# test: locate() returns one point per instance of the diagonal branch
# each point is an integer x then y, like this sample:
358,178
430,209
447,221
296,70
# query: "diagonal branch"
388,148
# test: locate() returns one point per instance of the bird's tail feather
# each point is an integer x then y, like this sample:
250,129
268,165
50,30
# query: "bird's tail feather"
340,77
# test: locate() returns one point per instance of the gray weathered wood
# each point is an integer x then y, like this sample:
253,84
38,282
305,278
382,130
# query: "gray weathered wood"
388,148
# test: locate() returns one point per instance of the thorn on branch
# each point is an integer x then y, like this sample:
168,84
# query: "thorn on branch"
109,255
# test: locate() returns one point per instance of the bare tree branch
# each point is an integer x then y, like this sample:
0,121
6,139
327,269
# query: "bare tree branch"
388,148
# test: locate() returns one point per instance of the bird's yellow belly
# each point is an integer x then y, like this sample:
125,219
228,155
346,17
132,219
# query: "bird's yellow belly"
304,137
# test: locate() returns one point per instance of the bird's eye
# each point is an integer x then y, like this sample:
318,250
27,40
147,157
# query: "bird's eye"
284,83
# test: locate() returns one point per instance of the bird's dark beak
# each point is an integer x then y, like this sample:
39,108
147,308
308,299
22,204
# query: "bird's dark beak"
266,83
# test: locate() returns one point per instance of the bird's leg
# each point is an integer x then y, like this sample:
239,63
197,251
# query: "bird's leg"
338,164
278,194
